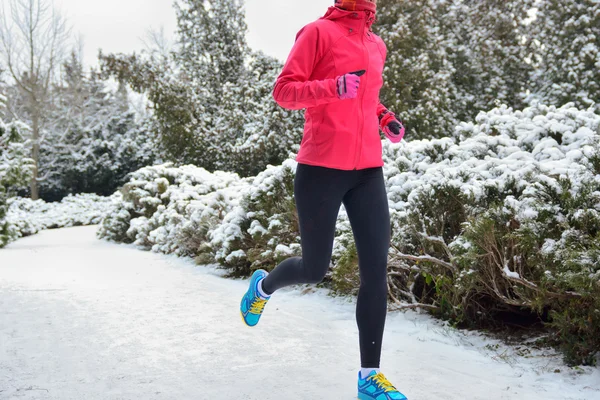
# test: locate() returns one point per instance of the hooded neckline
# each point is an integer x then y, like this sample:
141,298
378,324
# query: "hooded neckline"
336,13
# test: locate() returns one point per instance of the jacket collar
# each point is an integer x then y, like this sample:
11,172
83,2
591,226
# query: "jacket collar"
351,19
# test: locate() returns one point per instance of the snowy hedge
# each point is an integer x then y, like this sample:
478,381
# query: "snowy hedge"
27,217
170,209
502,222
497,224
241,224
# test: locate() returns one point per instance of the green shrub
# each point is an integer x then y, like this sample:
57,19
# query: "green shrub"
577,323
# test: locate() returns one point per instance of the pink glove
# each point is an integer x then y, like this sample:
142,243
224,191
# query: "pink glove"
347,85
391,127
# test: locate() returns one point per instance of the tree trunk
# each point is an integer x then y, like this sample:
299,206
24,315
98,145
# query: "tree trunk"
35,155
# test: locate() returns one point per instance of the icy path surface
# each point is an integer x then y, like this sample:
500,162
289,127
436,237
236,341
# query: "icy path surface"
84,319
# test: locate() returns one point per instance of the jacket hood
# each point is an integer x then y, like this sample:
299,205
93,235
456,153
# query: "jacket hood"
335,13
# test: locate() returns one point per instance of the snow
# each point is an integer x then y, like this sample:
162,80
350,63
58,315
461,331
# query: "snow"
511,274
31,216
88,319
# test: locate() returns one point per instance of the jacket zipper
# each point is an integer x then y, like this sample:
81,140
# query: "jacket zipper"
363,85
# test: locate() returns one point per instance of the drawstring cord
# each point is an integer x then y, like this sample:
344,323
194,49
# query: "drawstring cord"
371,18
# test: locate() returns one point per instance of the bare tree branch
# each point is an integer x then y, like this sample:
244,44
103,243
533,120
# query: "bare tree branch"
33,41
425,258
404,306
156,42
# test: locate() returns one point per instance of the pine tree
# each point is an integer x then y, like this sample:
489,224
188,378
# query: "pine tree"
485,44
212,45
178,117
212,98
212,51
418,77
566,34
449,60
16,168
93,140
268,133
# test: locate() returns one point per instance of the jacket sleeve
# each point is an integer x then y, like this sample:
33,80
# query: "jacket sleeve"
381,109
293,89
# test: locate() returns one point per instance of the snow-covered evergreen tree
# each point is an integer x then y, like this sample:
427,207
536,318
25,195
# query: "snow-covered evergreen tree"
485,43
265,133
449,60
567,54
93,139
212,45
176,119
418,77
211,97
16,168
211,52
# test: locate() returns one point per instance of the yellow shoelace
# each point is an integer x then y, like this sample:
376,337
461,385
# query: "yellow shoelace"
258,305
383,383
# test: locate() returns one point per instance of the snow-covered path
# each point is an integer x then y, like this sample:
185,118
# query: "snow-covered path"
84,319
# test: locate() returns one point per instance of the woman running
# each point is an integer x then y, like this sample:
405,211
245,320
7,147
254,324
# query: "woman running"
334,71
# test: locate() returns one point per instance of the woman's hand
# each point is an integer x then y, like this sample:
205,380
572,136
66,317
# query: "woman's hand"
391,127
347,85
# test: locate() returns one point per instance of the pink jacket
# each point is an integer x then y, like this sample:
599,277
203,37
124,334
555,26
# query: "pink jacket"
340,134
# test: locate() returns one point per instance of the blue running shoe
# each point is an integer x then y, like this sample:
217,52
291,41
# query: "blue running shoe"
376,387
253,303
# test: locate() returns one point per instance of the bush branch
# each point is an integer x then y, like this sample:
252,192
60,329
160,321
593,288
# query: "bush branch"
426,258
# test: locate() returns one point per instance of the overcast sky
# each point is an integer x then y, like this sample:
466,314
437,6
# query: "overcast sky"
119,25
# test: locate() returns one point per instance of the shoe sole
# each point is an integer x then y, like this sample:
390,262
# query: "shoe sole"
244,320
364,397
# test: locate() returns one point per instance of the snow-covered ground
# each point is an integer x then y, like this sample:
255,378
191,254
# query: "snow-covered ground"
82,318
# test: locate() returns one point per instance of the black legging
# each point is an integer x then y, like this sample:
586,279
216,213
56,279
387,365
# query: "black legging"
319,192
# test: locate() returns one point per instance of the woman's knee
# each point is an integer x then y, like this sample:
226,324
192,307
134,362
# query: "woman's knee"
315,273
374,281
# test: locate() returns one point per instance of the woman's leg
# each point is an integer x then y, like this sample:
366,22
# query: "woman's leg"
318,193
367,207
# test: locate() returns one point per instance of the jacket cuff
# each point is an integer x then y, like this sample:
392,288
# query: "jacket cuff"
385,118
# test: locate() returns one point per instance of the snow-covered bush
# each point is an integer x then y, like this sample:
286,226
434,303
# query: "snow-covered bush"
242,224
503,220
28,216
169,209
263,228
